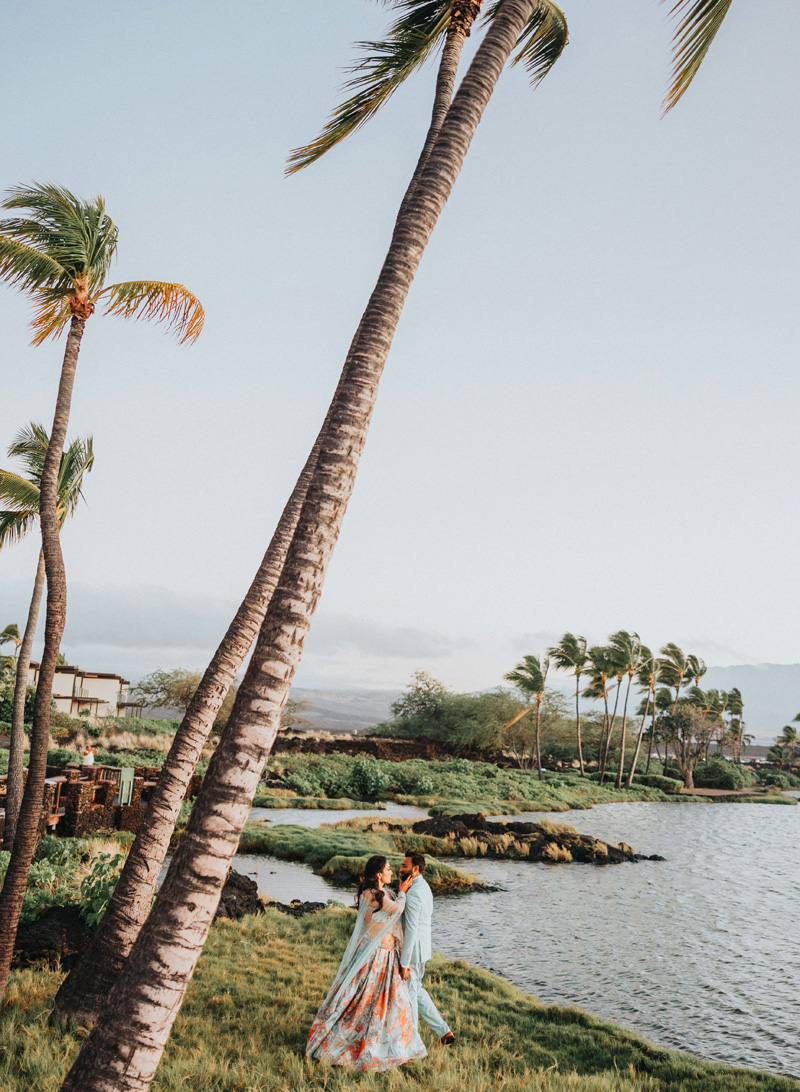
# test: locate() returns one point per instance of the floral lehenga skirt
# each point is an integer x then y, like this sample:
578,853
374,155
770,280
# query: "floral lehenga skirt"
367,1022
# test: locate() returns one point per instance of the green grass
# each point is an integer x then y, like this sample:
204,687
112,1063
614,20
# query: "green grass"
336,803
259,982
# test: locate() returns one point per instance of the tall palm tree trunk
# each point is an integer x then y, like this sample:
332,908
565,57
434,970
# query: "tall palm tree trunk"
457,34
86,988
30,811
609,733
123,1051
621,769
538,740
652,739
16,750
578,721
639,738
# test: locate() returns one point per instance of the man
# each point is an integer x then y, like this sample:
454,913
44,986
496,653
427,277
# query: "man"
416,950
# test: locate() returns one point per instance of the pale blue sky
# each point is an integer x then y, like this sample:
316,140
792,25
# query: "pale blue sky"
588,417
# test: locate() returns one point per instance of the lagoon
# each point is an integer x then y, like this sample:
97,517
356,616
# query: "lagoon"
699,952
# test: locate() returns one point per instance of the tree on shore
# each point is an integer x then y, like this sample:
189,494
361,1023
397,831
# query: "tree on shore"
629,653
20,493
168,946
124,1048
570,655
529,678
59,253
786,749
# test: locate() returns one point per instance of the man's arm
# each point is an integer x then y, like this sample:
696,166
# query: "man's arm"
413,912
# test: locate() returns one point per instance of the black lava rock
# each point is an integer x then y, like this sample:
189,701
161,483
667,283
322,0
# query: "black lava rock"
58,937
239,897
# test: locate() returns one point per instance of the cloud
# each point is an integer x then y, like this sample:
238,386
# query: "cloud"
135,630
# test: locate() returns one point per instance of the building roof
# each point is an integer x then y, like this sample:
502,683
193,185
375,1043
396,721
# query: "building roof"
67,669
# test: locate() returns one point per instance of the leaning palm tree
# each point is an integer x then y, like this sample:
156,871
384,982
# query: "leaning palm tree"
529,678
605,665
10,635
646,677
58,251
124,1048
421,27
629,653
570,655
21,495
673,669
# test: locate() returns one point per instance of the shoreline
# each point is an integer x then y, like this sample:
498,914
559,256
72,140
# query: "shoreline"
276,969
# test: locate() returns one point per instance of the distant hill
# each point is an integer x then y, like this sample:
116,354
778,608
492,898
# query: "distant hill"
346,710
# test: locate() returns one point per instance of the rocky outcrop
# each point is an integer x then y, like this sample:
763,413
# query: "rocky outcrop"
239,897
57,938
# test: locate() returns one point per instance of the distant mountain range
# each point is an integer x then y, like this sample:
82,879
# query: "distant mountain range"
771,695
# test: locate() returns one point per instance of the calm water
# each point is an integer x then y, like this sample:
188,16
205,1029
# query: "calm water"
700,952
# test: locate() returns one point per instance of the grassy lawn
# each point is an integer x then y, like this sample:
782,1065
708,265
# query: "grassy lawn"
259,982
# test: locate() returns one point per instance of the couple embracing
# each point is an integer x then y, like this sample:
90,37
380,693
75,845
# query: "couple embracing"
369,1020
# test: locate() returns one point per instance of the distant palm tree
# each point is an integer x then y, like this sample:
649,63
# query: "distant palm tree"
605,664
646,677
10,635
695,668
59,253
570,655
673,669
628,652
21,494
529,678
662,703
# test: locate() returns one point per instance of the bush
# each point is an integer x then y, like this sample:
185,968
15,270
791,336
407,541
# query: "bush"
784,779
658,781
62,758
369,779
719,774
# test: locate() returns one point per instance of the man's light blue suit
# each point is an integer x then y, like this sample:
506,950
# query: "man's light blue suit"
416,952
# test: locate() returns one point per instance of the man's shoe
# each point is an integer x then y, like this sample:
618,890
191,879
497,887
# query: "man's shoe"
448,1039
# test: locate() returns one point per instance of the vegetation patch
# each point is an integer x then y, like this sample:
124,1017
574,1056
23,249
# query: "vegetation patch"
277,968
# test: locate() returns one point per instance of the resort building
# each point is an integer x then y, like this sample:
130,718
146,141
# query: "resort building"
97,693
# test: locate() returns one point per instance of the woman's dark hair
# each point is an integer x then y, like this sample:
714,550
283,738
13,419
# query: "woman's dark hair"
369,881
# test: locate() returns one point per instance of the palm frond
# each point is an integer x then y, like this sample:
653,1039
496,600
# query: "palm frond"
409,43
27,268
18,493
30,445
542,41
157,301
78,234
76,461
51,314
14,526
699,21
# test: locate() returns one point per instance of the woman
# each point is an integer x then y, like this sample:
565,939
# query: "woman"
366,1020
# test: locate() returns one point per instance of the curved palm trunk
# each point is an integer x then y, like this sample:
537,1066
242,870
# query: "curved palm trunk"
86,988
621,769
443,96
605,728
31,807
652,735
639,738
609,734
538,746
16,750
578,720
124,1049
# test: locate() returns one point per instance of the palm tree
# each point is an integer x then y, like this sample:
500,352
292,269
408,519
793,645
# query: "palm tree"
673,669
628,652
695,668
124,1048
570,655
21,494
646,677
84,990
421,27
605,664
10,635
529,678
59,254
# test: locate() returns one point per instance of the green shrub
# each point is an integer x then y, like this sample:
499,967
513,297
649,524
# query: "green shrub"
98,887
369,779
658,781
62,758
784,779
719,774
